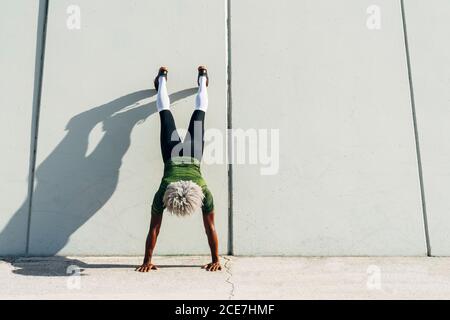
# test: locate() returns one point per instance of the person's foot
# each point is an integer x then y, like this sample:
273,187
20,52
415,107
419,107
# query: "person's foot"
202,71
161,73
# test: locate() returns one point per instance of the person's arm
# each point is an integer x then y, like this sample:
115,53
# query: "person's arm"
155,225
210,229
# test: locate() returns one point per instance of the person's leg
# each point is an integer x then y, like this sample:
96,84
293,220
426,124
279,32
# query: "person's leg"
194,142
196,130
169,137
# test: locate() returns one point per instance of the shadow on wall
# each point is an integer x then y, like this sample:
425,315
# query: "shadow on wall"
70,186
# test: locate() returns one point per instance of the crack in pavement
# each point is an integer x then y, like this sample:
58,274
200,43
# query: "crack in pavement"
228,280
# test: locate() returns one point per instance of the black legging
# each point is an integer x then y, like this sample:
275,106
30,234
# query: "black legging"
193,143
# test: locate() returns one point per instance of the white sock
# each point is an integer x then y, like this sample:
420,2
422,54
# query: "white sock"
162,99
201,101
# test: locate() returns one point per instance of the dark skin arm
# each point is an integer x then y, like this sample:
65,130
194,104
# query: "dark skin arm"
155,225
210,229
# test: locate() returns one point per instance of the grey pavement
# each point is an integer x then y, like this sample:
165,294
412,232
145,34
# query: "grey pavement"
180,277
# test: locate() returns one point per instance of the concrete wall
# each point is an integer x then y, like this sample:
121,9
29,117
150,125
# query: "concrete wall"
18,30
428,25
338,92
335,90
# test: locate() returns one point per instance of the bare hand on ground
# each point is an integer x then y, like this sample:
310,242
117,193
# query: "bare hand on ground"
213,266
146,267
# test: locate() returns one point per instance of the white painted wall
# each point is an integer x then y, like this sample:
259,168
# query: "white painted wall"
428,26
338,92
18,28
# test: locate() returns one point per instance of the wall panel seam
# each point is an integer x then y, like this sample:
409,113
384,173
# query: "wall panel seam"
37,92
229,128
416,132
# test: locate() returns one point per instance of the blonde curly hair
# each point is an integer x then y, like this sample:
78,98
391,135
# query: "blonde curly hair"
182,198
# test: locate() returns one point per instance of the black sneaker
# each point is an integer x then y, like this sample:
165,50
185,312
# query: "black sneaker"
202,72
162,72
